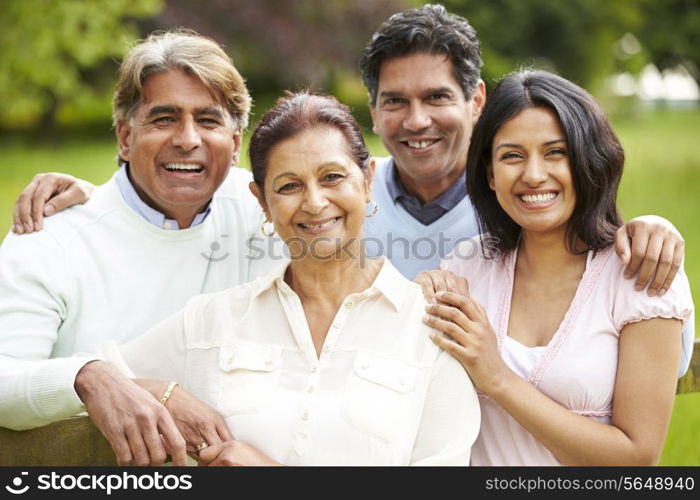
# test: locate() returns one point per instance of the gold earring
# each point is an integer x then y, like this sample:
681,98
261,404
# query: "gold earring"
375,208
263,228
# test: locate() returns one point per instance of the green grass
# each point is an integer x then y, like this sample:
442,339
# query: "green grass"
661,177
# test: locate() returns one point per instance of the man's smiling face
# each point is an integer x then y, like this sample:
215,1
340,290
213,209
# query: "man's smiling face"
425,121
180,143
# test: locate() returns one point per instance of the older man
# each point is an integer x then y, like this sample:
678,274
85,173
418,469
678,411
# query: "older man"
173,221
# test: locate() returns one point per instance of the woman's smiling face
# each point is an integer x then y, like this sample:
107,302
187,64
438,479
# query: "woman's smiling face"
531,173
315,194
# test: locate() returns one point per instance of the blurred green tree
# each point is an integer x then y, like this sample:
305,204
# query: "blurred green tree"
282,44
573,37
670,33
56,57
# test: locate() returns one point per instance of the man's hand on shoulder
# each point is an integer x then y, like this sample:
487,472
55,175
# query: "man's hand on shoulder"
651,248
46,195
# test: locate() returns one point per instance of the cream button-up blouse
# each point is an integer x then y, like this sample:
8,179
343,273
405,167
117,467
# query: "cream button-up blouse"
381,393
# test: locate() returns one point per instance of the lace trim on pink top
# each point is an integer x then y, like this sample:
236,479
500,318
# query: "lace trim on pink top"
584,289
682,317
605,413
585,413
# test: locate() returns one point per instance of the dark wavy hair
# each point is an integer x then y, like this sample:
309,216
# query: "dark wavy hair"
429,29
594,151
295,113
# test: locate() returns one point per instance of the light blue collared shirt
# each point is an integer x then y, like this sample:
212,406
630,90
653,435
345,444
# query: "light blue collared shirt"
132,198
429,212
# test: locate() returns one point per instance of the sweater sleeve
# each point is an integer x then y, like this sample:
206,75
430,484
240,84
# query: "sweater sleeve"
34,290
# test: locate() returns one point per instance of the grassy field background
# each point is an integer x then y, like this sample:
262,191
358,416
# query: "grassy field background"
662,177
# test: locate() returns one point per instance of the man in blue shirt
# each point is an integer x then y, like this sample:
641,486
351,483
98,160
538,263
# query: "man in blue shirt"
422,72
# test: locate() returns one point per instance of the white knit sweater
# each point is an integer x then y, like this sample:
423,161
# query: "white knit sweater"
101,272
409,245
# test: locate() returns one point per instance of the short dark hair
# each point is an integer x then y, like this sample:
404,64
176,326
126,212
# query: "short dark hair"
595,156
294,113
429,29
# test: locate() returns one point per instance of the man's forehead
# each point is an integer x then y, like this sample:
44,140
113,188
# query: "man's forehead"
418,68
176,88
163,101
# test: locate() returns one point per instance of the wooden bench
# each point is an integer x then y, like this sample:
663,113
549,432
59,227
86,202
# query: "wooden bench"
74,442
77,442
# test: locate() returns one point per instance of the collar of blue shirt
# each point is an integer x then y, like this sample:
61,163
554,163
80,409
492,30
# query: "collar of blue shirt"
429,212
131,197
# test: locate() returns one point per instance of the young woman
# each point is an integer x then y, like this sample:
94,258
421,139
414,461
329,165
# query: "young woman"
572,364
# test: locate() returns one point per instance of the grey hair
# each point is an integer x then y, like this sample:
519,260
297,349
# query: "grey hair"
182,49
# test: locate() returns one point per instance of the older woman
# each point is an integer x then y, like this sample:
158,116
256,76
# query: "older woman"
573,365
325,360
